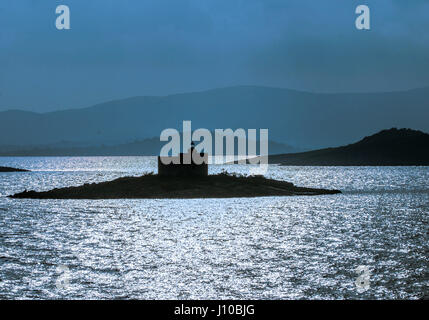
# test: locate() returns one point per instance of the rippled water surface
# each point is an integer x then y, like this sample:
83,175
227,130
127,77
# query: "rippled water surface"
259,248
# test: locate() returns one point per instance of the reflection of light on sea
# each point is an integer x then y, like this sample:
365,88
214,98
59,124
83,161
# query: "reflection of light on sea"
273,247
227,159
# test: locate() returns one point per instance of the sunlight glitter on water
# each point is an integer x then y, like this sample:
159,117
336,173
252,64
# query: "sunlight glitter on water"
262,248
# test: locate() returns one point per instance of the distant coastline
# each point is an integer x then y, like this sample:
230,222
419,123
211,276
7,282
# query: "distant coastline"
394,147
146,147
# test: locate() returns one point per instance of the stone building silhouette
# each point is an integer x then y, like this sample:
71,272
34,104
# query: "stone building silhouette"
177,166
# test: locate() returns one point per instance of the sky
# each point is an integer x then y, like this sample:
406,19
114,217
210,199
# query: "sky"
124,48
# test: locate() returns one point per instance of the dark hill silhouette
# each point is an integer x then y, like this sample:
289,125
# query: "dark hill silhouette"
394,147
306,120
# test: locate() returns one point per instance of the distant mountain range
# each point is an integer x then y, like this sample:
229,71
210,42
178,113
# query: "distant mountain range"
394,147
147,147
301,119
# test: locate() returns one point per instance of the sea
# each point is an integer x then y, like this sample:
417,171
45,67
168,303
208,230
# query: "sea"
370,242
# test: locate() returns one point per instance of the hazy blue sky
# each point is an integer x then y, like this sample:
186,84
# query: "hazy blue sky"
118,49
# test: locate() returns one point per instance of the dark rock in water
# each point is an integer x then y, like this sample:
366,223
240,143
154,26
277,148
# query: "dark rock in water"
157,187
8,169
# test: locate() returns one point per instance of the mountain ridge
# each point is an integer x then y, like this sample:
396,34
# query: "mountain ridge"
306,120
424,88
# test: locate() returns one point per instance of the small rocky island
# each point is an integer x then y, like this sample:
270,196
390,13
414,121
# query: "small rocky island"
153,186
8,169
177,180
